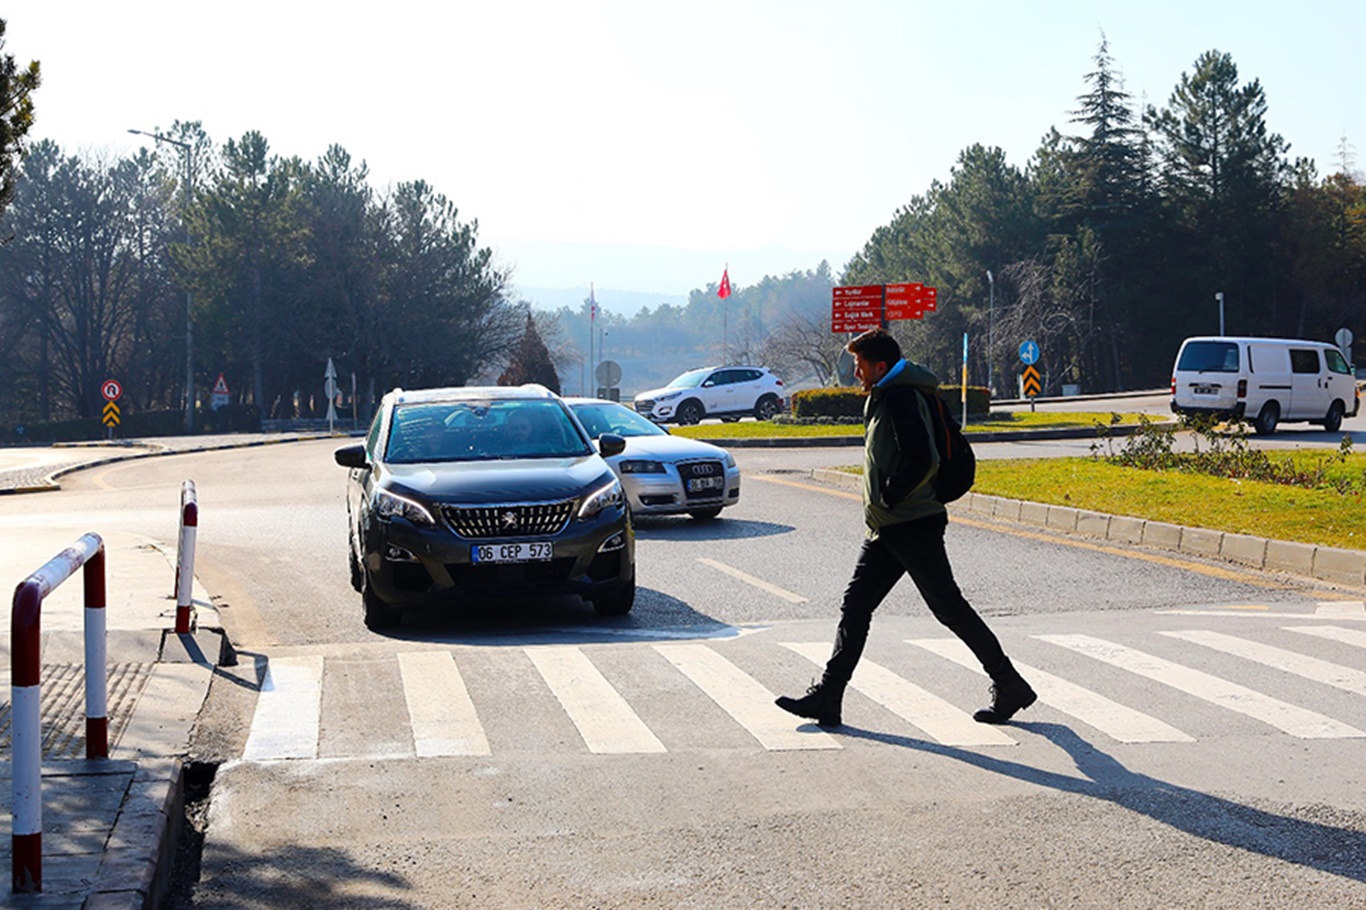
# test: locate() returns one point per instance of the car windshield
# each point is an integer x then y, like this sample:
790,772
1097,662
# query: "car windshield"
689,380
1209,357
600,417
482,431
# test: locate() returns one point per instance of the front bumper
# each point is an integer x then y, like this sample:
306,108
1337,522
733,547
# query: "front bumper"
411,565
666,494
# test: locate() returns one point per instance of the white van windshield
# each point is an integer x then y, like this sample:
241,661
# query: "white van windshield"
1209,357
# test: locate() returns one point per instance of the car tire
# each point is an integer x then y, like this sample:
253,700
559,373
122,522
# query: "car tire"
766,408
690,412
1333,422
378,614
618,604
357,574
705,514
1267,418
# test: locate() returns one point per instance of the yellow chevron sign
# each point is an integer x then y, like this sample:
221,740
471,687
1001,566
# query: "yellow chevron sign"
111,415
1032,384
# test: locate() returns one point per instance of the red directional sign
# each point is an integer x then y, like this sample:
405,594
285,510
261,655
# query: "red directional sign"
904,301
856,308
112,390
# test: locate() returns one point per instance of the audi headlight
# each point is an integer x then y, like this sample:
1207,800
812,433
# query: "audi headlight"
729,459
389,505
606,496
641,467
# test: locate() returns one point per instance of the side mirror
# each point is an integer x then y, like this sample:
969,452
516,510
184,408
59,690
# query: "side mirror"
610,444
352,456
709,383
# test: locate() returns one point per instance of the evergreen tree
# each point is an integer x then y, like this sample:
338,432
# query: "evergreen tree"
16,115
531,361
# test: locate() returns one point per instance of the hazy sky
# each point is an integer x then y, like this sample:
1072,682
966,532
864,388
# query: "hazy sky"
644,145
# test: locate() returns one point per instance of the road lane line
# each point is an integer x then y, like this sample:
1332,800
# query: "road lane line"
936,717
1303,665
1119,722
1296,721
1247,577
604,719
751,580
1333,633
744,699
443,717
288,710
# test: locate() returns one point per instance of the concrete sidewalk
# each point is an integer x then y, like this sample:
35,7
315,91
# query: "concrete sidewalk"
109,826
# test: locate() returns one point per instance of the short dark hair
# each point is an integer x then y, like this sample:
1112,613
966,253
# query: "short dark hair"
875,346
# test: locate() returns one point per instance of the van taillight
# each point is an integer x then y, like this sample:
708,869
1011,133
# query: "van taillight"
1173,385
1242,388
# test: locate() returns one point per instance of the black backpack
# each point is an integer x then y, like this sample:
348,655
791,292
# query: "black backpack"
957,464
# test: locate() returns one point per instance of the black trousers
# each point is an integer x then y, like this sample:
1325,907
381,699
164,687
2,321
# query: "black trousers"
914,548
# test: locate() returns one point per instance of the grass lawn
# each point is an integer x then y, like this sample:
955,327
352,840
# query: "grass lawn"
999,420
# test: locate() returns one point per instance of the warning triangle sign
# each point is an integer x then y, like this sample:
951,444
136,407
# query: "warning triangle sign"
221,386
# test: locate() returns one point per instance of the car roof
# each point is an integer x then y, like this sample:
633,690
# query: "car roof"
528,392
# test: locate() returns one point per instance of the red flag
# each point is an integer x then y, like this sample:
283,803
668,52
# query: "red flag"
593,311
724,290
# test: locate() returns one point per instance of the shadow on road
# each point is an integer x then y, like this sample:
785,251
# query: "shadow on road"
1338,851
661,527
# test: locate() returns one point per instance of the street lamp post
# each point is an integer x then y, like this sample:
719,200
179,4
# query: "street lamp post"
1220,297
991,333
188,149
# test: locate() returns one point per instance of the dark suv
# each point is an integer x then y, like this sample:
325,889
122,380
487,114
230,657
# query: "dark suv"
484,491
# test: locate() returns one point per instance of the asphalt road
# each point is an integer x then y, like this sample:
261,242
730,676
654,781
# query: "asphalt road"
520,754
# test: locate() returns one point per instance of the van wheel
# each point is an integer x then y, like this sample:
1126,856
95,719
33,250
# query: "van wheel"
1265,424
1333,422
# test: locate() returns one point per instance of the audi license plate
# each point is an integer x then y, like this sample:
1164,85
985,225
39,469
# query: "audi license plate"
697,484
512,552
1205,389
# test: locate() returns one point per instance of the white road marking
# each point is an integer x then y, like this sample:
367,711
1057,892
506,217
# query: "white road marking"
288,710
443,717
1323,671
1295,721
1342,609
751,580
1120,722
932,714
1333,633
605,721
744,699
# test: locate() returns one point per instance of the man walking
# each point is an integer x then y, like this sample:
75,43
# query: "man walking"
905,536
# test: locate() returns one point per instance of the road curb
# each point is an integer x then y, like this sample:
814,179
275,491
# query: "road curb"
1329,564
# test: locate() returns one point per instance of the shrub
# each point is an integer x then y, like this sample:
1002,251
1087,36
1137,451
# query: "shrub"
847,401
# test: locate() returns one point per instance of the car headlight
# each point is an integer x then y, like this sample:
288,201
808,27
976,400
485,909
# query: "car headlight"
669,397
641,467
729,459
388,505
603,497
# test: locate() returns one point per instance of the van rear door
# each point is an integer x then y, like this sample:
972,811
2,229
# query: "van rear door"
1206,375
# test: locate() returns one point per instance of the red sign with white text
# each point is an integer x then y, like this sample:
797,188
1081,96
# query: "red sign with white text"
904,301
856,308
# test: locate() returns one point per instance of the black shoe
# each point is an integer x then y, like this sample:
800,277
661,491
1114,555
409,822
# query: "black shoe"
821,703
1006,699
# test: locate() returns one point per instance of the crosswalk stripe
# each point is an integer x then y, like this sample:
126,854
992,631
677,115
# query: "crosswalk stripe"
1299,664
288,710
443,717
743,698
932,714
1119,722
604,719
1355,637
1295,721
748,579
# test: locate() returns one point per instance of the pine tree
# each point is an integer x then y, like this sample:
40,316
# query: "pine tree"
16,115
531,361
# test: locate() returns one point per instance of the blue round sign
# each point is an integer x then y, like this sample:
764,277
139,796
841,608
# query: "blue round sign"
1029,353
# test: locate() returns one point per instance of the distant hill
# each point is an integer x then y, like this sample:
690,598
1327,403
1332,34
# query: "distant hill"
621,303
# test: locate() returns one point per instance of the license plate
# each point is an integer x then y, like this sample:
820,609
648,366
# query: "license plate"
512,552
698,484
1205,390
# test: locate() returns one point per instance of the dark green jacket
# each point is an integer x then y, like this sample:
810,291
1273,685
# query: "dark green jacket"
899,456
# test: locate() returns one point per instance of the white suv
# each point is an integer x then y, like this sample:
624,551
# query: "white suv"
726,392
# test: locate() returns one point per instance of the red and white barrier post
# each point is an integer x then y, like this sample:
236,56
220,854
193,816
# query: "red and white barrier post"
184,568
26,702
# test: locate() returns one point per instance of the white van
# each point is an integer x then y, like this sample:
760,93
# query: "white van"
1265,380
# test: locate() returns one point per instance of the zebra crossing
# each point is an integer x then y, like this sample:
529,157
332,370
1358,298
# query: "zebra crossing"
445,716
